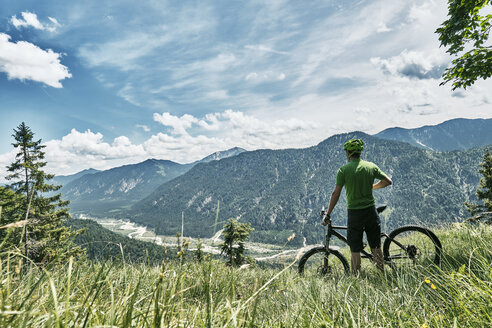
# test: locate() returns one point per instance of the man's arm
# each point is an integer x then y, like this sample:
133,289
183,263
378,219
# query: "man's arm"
335,195
382,183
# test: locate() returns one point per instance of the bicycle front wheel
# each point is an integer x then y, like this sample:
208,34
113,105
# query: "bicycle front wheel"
412,245
321,262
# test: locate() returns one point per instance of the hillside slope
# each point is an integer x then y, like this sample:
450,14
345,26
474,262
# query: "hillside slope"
101,243
111,189
106,192
61,180
457,134
282,191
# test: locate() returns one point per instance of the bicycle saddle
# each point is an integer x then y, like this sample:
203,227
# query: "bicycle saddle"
381,208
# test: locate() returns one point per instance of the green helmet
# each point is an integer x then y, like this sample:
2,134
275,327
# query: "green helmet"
354,146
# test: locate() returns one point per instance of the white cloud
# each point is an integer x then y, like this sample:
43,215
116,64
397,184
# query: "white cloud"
5,160
267,76
31,20
25,61
80,150
194,138
131,46
125,52
421,12
128,93
179,125
217,94
54,21
238,128
28,19
263,48
143,127
413,64
383,28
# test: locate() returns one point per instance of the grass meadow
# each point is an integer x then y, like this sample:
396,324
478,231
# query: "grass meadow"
81,293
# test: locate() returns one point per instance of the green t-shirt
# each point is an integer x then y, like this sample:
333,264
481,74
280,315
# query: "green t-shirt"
358,177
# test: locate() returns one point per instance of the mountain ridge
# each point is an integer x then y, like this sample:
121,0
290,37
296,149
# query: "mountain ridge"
104,192
455,134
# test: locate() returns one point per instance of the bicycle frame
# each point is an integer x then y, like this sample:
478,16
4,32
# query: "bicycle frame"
332,232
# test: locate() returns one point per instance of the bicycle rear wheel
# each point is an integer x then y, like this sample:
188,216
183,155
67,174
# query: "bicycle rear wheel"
412,245
320,262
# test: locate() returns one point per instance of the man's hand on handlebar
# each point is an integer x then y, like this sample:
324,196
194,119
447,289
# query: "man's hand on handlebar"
325,218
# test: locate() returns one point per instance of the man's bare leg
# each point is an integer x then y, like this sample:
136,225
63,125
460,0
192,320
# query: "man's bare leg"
378,258
355,262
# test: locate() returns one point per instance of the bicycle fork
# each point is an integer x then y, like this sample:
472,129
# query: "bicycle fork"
327,247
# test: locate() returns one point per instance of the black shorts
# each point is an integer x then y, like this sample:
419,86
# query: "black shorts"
367,220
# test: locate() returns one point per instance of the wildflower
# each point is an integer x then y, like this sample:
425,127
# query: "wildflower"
424,326
427,281
433,286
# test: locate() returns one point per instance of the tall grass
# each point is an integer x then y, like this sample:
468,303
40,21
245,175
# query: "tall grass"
211,294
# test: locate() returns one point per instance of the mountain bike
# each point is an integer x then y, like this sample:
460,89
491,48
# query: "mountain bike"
406,245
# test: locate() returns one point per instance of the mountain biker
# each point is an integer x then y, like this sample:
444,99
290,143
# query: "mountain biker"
358,178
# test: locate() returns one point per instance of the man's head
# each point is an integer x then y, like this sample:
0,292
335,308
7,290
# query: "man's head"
353,148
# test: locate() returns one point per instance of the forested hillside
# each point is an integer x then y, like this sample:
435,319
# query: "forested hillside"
282,191
101,244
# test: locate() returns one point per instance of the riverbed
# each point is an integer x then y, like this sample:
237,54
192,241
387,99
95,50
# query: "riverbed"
260,252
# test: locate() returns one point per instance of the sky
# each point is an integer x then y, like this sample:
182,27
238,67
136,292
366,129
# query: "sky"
106,83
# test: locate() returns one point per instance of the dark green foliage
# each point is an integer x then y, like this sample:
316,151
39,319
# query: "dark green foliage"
11,211
466,27
484,191
283,190
44,237
101,243
235,235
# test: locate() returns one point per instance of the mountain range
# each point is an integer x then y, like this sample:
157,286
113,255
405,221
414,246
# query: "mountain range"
104,192
457,134
280,192
61,180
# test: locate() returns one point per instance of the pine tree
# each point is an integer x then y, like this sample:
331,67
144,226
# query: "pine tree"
11,213
235,234
45,237
484,191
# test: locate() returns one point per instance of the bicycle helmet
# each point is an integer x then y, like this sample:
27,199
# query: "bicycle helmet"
354,146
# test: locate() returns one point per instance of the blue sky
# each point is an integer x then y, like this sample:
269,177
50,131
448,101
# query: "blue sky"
107,83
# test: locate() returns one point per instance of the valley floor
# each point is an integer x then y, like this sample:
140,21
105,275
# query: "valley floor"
259,251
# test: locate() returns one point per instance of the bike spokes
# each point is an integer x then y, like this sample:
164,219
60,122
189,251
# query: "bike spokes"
412,248
323,264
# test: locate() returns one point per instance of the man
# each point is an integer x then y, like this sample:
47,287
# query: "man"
358,178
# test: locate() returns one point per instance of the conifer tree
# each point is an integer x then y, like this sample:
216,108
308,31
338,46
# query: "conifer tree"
235,234
45,237
484,191
11,213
